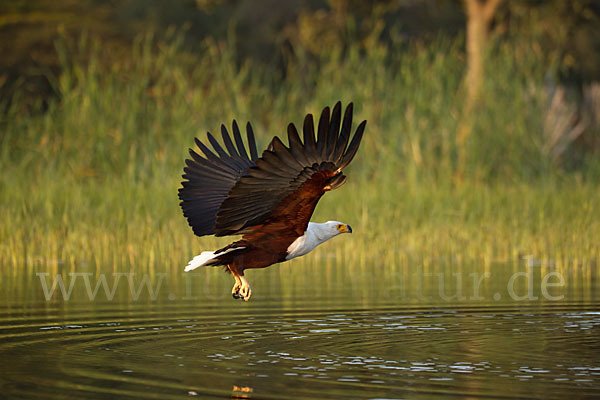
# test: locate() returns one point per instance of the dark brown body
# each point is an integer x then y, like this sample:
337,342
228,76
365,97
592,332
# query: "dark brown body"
267,243
262,248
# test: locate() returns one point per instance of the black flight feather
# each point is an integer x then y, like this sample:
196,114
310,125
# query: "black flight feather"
322,134
342,142
229,144
296,145
353,146
334,129
251,143
310,147
217,147
239,143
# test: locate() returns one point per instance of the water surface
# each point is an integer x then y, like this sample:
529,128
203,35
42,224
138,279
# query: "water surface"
417,333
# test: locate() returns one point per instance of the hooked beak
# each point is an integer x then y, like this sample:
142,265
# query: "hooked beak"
345,229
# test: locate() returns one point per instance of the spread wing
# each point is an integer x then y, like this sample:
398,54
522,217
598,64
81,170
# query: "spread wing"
285,184
208,180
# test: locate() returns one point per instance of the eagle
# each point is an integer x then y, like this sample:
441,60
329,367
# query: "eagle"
269,200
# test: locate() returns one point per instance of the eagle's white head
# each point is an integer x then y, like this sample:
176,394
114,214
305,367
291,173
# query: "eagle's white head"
315,234
328,229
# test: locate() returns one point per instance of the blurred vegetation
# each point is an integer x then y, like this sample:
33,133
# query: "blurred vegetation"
102,99
276,33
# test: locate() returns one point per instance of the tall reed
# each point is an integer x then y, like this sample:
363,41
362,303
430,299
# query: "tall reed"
92,181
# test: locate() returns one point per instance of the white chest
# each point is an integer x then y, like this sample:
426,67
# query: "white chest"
314,235
300,246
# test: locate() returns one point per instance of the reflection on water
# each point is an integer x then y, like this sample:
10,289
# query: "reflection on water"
365,338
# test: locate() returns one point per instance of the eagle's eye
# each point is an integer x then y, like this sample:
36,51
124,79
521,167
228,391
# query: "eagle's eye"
339,227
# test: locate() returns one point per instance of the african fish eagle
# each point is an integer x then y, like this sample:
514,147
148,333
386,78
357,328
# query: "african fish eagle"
269,199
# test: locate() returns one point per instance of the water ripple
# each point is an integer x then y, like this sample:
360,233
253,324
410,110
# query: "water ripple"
172,351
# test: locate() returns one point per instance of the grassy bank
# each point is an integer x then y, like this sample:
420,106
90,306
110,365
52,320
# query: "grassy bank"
93,179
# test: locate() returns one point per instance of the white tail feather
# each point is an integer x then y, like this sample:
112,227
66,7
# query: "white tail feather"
204,257
200,260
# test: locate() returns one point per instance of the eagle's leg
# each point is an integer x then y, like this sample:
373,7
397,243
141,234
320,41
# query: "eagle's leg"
245,291
235,292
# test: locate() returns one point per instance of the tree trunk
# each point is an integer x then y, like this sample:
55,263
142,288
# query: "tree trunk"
479,17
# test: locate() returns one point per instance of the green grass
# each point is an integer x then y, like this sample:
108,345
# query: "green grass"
93,179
